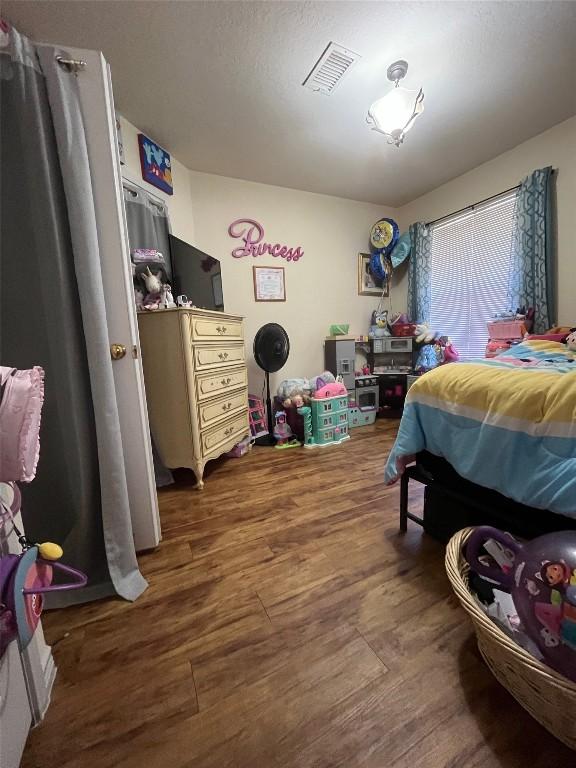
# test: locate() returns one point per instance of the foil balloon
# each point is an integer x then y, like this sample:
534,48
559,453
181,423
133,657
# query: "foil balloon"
542,582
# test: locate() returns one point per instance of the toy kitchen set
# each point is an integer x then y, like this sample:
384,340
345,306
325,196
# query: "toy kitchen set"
379,389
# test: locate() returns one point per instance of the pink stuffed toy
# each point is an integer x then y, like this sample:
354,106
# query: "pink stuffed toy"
330,390
450,354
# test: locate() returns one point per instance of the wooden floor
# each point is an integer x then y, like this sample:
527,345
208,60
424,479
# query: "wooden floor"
287,624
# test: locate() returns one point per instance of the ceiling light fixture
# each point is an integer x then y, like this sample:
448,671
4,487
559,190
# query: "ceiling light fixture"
394,114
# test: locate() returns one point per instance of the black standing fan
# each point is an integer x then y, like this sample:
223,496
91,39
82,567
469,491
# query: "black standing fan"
271,348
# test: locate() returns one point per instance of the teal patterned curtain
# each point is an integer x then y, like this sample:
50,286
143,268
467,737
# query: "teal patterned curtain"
419,273
531,282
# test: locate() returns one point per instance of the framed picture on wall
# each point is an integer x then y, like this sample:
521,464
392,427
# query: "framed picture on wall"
269,284
368,285
156,164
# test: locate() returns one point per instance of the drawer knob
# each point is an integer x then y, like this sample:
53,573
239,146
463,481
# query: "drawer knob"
226,406
221,328
223,355
229,431
225,382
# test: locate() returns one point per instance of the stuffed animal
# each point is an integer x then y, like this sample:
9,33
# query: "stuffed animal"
571,341
424,335
138,298
380,318
330,390
153,285
290,389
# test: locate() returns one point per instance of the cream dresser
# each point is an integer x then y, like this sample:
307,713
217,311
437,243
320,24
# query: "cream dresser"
196,384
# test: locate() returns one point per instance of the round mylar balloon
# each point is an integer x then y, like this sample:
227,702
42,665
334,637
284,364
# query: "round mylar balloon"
383,236
542,582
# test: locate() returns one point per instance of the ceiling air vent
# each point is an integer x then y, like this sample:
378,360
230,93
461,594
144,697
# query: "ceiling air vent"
330,68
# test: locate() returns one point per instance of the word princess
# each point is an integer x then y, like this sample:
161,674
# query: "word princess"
252,235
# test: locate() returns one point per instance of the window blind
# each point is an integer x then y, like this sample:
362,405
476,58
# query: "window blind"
470,266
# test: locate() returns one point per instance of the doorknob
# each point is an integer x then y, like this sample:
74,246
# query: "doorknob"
117,351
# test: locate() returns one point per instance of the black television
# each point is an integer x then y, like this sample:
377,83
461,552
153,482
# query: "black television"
196,275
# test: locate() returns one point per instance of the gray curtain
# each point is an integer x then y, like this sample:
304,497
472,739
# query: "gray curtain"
149,227
52,314
532,267
419,273
147,221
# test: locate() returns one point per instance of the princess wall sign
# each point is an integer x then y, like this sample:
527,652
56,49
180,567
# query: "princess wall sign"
251,234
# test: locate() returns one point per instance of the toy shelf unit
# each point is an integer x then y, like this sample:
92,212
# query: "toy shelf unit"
325,421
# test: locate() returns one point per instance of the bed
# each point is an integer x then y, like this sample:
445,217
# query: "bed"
507,424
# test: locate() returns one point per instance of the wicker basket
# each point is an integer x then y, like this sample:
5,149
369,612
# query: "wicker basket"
548,696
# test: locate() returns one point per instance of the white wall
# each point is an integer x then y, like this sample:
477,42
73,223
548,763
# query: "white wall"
180,203
555,147
321,288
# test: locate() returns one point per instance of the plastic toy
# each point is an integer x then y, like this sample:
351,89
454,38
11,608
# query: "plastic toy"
241,448
325,420
24,579
167,298
361,416
282,432
542,582
256,417
330,390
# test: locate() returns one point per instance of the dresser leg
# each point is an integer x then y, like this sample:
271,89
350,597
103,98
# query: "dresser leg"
198,470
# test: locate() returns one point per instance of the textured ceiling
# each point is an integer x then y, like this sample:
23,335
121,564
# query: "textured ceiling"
219,83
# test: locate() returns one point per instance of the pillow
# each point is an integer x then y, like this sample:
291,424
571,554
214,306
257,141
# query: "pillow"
547,336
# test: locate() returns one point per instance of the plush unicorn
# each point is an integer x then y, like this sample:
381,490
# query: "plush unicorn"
154,296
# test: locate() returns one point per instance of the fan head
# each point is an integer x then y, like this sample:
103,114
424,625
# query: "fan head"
271,347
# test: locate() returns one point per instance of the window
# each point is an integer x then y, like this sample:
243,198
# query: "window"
470,265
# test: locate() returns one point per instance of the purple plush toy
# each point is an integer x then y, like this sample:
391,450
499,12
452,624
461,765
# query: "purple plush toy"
542,582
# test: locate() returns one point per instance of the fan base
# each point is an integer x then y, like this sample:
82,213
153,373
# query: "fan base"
266,440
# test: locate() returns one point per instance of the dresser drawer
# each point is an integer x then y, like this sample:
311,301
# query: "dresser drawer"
230,431
210,328
213,411
216,357
208,385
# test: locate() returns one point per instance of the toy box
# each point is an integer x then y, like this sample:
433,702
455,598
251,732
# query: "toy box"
511,329
361,417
